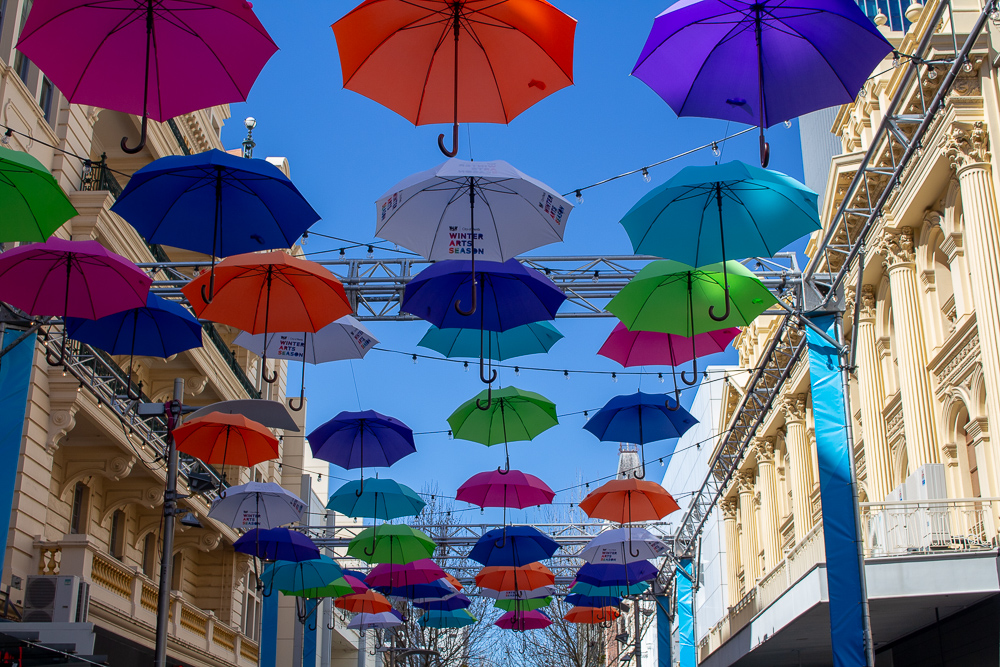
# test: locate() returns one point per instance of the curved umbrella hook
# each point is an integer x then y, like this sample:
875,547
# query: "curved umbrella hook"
462,311
694,351
489,399
725,315
302,390
722,243
372,552
642,463
453,151
502,542
142,138
270,379
145,88
265,591
56,360
454,130
482,374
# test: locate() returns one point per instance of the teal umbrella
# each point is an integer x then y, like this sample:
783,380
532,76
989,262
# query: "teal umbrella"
591,590
292,576
378,499
533,338
457,618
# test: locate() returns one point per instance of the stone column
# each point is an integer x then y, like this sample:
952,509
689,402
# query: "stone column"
800,459
871,387
914,381
967,146
729,510
750,554
770,530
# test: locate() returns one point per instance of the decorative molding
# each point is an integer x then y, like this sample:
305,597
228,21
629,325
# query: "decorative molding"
764,449
197,538
869,307
145,493
63,406
730,508
897,247
794,408
108,462
746,481
966,144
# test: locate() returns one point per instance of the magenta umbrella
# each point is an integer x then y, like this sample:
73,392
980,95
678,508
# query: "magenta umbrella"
422,571
520,621
512,488
70,279
154,58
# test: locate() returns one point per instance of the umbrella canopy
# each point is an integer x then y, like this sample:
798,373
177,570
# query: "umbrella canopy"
226,440
468,61
352,439
396,544
272,414
34,206
590,590
421,571
628,500
523,578
454,602
532,338
434,212
435,590
521,621
369,602
346,338
592,615
335,589
521,605
513,546
301,575
601,574
653,348
279,544
380,499
385,619
640,418
256,505
623,545
511,489
579,600
434,618
160,328
542,592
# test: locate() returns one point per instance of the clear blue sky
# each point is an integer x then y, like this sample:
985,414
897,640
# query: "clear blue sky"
346,150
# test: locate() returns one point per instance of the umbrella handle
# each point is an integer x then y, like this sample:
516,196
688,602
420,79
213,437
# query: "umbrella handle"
725,315
454,142
331,627
677,400
765,150
458,307
270,379
142,138
489,399
56,360
482,375
694,374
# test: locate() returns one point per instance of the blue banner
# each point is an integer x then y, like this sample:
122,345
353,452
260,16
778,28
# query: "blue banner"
843,571
309,656
269,631
15,378
663,631
685,616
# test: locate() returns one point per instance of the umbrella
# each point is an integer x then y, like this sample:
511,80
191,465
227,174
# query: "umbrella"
523,578
579,600
522,605
609,546
216,204
506,57
364,620
514,545
511,415
521,621
197,55
421,571
272,414
591,590
383,499
600,574
640,418
346,338
335,589
160,328
709,58
297,576
592,615
70,279
541,592
343,442
459,601
628,500
280,544
513,488
227,440
532,338
434,618
34,206
303,295
652,348
435,590
369,602
256,505
671,297
396,544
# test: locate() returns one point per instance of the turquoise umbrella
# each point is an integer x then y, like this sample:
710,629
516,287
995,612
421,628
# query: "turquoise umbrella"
291,576
533,338
591,590
378,499
457,618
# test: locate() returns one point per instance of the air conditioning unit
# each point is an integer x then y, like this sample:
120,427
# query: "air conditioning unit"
56,599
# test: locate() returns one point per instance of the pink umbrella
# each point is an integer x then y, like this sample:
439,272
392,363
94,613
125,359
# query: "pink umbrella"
520,621
175,56
422,571
356,584
70,279
512,488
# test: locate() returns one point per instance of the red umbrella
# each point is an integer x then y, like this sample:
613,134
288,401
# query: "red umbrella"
226,440
592,615
368,602
628,500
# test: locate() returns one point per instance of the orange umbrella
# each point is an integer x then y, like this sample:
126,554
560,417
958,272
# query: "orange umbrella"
270,291
369,602
524,578
435,61
628,500
592,615
226,440
453,580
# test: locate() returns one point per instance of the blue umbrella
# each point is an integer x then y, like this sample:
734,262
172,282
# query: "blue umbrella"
351,438
435,590
459,601
640,418
616,575
277,544
578,600
216,204
161,328
434,618
295,576
513,546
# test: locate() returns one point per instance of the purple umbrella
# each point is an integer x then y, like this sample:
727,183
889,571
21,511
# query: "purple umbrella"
277,544
523,620
350,438
762,62
176,56
70,279
601,574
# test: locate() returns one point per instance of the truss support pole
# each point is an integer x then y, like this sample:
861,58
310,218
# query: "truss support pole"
173,413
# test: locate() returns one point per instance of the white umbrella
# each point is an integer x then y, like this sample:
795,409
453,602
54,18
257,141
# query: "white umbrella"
542,592
257,505
623,545
385,619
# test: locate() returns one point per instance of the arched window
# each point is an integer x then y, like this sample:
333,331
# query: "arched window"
149,549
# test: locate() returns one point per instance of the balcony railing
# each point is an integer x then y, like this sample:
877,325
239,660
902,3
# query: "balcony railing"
905,528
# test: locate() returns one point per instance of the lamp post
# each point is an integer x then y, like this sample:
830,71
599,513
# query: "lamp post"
248,144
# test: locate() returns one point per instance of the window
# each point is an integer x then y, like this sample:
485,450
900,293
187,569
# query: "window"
149,555
176,574
21,65
117,542
252,608
45,98
78,517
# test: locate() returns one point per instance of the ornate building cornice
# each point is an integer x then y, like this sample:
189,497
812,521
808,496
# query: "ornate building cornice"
966,144
730,508
794,408
746,481
897,247
764,448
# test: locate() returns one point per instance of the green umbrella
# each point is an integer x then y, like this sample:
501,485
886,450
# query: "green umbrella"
530,604
34,206
393,544
674,298
533,338
513,415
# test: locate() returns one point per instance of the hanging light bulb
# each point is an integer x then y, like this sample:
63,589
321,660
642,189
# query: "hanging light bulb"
614,377
6,137
597,276
371,252
659,376
579,197
586,415
895,59
967,66
645,175
566,374
517,371
450,437
931,72
305,239
715,149
342,252
788,123
662,463
466,366
414,359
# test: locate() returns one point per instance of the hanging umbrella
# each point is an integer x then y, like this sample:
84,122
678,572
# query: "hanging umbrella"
628,500
521,621
600,574
435,590
609,546
368,602
459,601
280,544
522,605
434,618
197,55
523,578
34,206
532,338
160,328
226,440
364,620
422,571
541,592
346,338
514,545
70,279
592,615
256,505
513,488
272,414
578,600
640,418
396,544
383,499
590,590
652,348
479,61
335,589
351,437
759,63
511,415
671,297
266,291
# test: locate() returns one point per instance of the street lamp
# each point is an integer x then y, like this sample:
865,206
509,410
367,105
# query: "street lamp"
248,144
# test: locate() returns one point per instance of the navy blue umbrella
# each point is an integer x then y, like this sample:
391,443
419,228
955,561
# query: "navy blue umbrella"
617,575
352,439
513,546
216,204
159,329
435,590
578,600
277,544
459,601
640,418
